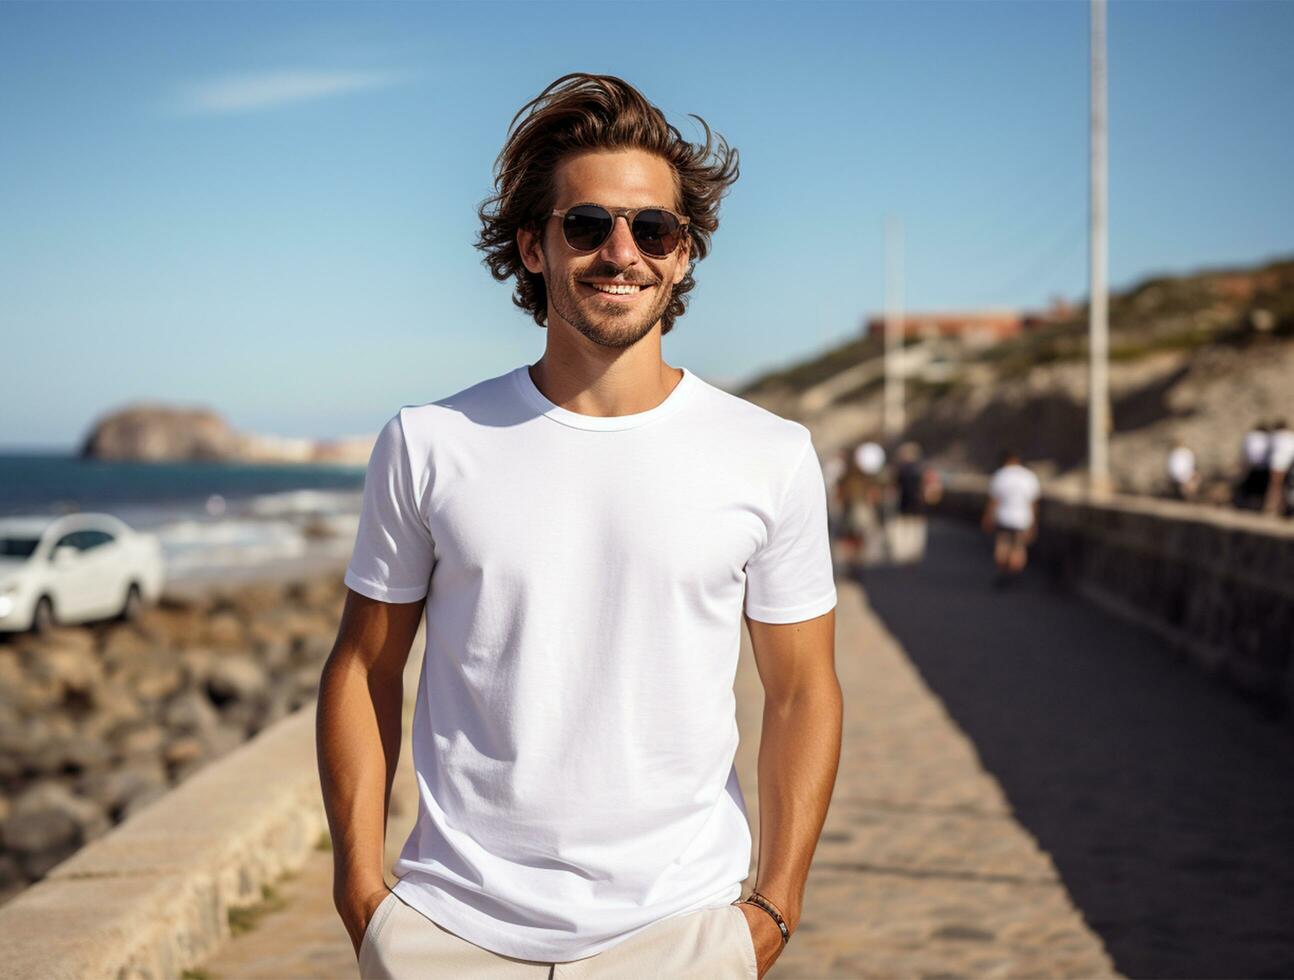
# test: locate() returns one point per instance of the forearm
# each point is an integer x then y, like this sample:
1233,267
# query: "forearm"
799,754
358,728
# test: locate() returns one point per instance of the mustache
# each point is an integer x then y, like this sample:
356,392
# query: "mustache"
611,272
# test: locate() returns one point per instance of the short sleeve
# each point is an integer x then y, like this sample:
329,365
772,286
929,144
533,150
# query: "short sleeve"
394,551
791,577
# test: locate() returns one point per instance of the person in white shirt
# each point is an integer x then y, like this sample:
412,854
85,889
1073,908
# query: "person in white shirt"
1255,449
1182,475
581,538
1011,515
1280,461
870,457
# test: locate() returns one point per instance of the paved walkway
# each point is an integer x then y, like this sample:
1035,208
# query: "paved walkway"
1165,800
922,870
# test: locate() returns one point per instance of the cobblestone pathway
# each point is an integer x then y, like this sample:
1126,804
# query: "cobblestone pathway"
921,871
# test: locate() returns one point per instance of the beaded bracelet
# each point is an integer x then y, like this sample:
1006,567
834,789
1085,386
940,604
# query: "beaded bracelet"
758,900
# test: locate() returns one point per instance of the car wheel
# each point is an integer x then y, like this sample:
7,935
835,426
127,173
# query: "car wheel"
134,603
42,618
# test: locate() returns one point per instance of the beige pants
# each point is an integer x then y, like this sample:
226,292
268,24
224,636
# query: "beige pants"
710,944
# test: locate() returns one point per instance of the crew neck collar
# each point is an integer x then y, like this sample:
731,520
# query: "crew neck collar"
576,420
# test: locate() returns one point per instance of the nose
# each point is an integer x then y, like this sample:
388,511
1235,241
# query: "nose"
619,248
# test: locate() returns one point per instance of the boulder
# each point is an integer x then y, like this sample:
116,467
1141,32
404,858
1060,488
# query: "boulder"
191,712
49,819
236,678
151,431
117,789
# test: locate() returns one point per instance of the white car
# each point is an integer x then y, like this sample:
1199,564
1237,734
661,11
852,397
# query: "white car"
75,568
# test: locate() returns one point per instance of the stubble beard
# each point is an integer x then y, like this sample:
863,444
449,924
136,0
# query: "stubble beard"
612,326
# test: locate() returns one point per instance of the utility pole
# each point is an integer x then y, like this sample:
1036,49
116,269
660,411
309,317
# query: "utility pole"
892,419
1098,395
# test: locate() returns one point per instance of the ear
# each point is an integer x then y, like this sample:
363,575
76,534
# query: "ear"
531,249
683,259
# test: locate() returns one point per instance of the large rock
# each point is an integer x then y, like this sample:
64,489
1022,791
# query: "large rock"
153,431
191,712
150,431
236,678
48,823
149,674
118,791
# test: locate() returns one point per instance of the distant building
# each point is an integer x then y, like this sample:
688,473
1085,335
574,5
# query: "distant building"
976,328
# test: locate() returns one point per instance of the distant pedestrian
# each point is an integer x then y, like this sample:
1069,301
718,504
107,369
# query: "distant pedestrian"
1280,468
833,468
1183,478
1255,472
858,496
1011,515
870,458
909,528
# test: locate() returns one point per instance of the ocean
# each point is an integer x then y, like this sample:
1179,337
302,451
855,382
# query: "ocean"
211,518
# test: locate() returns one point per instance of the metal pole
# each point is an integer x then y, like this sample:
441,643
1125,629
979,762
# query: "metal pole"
893,421
1098,406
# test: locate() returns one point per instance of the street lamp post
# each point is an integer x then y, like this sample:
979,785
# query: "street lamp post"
892,420
1098,403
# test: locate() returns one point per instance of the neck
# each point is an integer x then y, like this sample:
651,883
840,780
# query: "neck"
632,381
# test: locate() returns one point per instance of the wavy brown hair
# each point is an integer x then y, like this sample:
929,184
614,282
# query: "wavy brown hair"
580,112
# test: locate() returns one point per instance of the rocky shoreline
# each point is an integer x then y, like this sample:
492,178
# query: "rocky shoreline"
99,721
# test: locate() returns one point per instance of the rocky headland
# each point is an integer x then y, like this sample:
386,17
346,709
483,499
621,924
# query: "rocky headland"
154,432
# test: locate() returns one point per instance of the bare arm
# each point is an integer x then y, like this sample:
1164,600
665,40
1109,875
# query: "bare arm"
357,737
799,754
990,514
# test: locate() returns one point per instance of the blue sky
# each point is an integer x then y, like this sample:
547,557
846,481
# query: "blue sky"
268,209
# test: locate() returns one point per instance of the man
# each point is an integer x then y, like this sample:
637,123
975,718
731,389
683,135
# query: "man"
584,534
912,482
1011,514
1183,478
1255,482
1280,463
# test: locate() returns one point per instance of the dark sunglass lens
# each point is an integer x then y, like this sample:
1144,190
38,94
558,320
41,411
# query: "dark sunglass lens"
586,227
657,232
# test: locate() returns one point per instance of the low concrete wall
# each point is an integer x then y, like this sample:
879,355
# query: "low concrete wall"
152,897
1218,584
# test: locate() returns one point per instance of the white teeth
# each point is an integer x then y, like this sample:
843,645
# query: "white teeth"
615,290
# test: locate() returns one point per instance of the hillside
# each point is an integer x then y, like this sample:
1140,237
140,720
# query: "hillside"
1196,357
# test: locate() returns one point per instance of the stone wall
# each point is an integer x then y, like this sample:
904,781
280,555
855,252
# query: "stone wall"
1217,584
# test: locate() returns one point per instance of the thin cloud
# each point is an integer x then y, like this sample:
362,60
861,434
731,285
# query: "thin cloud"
268,90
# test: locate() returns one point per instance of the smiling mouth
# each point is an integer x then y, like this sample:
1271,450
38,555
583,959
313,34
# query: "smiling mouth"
617,289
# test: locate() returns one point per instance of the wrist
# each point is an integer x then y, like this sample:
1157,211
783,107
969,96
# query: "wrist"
768,907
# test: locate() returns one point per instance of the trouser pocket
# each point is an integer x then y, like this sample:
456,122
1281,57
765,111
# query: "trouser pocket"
374,923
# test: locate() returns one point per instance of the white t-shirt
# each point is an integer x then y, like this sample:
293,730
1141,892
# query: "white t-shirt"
585,577
1015,488
870,458
1256,443
1281,453
1181,464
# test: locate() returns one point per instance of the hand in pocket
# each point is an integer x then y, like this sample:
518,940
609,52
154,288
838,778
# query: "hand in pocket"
361,916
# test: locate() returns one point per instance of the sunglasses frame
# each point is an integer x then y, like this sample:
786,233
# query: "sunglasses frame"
629,214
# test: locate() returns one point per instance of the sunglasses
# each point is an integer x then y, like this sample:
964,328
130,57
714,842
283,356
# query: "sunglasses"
657,231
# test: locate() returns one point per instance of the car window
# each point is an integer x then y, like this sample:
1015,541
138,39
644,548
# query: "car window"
76,539
17,547
94,539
